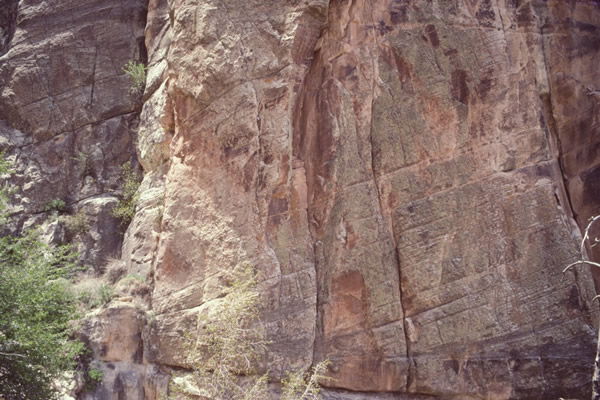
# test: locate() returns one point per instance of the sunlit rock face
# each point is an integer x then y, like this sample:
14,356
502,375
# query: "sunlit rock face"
406,177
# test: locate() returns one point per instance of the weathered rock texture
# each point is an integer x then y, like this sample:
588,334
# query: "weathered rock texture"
67,117
68,121
404,175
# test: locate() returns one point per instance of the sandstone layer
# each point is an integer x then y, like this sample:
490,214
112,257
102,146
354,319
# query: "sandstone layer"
67,117
406,176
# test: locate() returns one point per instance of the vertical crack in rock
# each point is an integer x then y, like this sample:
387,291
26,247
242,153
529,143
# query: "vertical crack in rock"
550,126
411,363
411,373
303,114
575,212
300,144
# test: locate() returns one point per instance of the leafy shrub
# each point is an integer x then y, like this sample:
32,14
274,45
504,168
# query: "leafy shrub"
5,189
105,294
93,293
35,310
92,375
56,205
95,374
125,209
137,75
76,224
86,298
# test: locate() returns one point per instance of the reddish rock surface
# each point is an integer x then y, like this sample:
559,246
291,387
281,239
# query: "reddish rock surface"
406,176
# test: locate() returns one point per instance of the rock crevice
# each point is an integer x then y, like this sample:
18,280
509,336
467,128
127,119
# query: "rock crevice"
391,169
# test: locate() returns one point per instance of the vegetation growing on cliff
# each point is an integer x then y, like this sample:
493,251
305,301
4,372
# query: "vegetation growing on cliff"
125,209
136,72
227,346
36,308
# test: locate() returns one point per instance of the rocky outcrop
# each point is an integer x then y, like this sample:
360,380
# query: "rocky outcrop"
406,177
395,171
68,122
67,116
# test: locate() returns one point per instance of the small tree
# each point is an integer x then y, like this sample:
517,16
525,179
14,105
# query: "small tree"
304,385
36,308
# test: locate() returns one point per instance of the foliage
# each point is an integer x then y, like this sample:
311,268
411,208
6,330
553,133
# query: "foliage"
227,346
86,298
77,223
105,294
55,205
137,75
125,209
92,293
35,309
95,375
5,171
91,371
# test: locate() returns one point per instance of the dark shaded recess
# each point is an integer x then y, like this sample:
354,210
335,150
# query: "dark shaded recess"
8,23
141,40
591,185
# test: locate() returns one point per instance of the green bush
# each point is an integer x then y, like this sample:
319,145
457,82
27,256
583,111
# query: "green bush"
36,307
92,374
76,224
5,189
94,297
137,75
105,294
125,209
95,375
56,205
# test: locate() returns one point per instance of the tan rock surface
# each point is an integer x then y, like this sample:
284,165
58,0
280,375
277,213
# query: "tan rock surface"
405,176
401,171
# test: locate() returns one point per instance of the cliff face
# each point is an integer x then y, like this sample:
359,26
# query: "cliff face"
405,176
67,118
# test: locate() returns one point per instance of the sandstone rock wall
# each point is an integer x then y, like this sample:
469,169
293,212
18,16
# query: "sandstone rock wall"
404,175
67,117
68,123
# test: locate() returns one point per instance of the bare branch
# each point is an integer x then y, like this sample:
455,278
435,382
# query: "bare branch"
580,262
12,355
